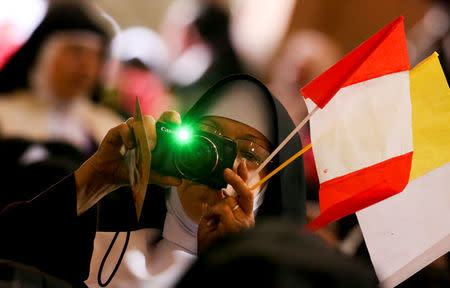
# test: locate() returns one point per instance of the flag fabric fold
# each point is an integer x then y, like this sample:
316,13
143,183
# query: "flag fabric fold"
362,136
383,53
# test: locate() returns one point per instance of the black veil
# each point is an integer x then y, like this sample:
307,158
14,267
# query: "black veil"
286,193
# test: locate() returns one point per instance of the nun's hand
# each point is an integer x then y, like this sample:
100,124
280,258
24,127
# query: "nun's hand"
231,214
108,169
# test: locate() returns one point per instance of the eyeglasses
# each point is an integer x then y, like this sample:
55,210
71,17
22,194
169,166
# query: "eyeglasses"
253,153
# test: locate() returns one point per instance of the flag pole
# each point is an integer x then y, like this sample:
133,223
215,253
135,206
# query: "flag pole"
285,141
295,156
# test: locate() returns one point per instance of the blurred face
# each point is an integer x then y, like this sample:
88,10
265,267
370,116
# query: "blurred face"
75,66
252,146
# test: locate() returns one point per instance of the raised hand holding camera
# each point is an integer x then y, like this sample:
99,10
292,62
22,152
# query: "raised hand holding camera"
140,158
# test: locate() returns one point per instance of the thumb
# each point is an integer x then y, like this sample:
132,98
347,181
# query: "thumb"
150,130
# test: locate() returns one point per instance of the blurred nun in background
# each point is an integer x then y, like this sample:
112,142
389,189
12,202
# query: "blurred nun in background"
48,123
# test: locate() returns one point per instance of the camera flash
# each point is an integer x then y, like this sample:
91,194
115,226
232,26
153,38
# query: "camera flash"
184,134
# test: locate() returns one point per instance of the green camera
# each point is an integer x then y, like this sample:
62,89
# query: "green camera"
193,154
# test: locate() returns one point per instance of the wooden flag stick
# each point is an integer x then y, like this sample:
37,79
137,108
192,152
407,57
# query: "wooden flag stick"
285,141
296,155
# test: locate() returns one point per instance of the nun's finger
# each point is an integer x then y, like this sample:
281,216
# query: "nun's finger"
239,215
242,170
126,135
224,214
232,203
170,116
208,223
244,195
150,130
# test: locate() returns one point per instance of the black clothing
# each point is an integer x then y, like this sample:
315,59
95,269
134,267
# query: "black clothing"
59,160
14,274
116,211
47,233
276,254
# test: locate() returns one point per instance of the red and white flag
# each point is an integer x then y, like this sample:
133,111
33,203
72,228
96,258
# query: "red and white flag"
362,136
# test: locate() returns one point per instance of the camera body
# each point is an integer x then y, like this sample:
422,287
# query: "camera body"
201,158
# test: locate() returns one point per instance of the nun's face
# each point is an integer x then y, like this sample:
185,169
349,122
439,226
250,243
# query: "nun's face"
75,67
252,146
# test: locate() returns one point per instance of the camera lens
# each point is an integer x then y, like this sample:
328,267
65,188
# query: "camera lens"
198,159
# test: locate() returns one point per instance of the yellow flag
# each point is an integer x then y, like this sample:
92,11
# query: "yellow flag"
430,100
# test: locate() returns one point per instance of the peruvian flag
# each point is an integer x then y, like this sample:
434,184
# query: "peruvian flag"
362,136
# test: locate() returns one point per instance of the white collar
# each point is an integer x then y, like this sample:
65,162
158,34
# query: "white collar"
180,229
174,232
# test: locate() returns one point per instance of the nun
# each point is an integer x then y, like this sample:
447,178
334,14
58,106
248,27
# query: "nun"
242,109
46,87
48,122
